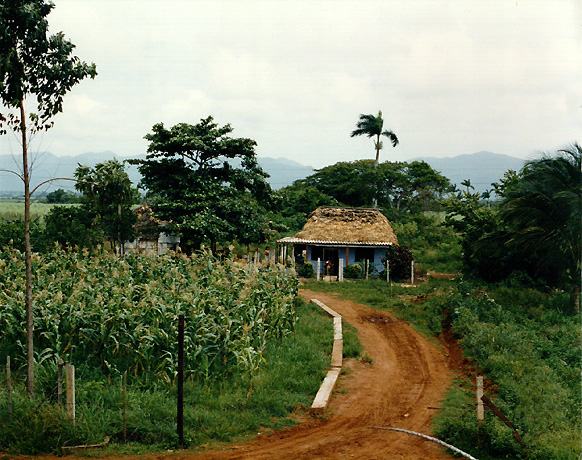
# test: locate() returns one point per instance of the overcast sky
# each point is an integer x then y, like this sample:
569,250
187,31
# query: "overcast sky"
451,77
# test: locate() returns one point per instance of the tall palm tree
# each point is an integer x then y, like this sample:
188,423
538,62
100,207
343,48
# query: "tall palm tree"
373,126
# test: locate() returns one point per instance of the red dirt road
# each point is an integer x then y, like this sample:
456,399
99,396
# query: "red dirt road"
407,380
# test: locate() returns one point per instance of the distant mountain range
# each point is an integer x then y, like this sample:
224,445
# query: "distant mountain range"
282,171
481,168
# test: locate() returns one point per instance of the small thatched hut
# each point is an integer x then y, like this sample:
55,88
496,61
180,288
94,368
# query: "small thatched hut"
150,234
350,234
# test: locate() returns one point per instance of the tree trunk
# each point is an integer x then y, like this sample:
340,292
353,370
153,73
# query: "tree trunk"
28,261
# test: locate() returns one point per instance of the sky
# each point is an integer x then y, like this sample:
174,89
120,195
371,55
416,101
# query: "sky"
450,77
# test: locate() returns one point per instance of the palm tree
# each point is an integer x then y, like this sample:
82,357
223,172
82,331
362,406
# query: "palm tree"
467,183
543,213
372,126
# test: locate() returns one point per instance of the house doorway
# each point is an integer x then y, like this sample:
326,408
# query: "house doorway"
330,261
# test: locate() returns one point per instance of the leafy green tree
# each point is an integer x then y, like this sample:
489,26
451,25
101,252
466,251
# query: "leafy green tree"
395,186
206,184
372,126
107,196
70,226
32,63
60,196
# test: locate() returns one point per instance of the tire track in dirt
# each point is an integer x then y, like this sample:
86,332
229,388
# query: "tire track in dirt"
407,379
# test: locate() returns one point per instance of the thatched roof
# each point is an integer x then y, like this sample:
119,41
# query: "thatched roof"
147,226
345,226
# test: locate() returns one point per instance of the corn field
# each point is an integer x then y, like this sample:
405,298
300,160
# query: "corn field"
121,314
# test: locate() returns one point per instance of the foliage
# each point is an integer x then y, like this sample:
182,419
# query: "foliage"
69,226
400,258
371,126
297,201
397,187
353,271
12,233
121,314
33,63
218,410
206,183
61,196
543,215
305,269
536,229
529,345
436,246
107,196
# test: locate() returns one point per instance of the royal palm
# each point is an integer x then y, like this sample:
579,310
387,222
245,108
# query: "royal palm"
372,126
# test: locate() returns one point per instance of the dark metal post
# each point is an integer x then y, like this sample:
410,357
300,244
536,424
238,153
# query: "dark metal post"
180,415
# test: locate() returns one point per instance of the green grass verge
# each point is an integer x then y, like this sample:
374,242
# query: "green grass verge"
220,410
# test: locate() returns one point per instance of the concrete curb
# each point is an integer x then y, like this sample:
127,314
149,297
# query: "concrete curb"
323,396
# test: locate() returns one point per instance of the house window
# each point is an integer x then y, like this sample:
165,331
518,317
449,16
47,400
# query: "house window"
362,254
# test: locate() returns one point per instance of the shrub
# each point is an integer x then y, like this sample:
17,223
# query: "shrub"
400,258
353,271
305,270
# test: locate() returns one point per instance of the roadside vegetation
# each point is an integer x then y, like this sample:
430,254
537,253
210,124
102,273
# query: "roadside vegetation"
255,353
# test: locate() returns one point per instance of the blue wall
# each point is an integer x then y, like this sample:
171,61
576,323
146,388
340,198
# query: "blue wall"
377,262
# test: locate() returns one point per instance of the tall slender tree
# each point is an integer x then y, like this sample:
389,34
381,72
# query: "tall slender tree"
372,126
33,63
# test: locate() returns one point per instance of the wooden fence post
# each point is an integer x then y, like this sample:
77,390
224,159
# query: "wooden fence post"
387,271
9,385
180,376
70,378
60,383
318,267
480,411
367,267
340,270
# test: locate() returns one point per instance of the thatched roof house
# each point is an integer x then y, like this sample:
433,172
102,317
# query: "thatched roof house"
349,234
150,234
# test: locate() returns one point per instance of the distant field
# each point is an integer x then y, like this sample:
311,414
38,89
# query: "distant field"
10,209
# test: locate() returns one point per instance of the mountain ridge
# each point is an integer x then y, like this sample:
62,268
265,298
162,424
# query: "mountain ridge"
481,168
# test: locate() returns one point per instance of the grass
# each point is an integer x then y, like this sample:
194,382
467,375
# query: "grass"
13,209
216,411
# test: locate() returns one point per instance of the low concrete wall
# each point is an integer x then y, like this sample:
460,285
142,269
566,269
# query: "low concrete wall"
324,394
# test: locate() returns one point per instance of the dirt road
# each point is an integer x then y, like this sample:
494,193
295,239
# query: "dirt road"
401,389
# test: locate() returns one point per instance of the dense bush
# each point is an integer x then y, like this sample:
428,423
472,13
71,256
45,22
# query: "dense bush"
400,258
305,270
353,271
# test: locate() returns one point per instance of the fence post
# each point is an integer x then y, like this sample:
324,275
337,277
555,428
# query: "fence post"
387,271
9,385
318,267
70,378
180,411
340,270
124,407
60,383
412,272
367,267
480,411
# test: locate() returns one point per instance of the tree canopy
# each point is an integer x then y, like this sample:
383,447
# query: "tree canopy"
206,184
396,186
